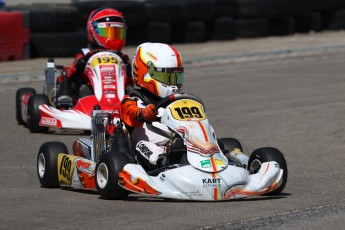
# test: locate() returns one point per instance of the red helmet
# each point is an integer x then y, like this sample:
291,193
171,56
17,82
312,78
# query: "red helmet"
106,28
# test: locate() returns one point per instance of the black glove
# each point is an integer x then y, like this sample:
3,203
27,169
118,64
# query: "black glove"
80,65
81,62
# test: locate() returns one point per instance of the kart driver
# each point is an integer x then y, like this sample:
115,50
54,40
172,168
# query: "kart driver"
157,72
106,30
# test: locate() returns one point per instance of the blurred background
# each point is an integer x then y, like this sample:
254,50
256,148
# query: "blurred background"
43,28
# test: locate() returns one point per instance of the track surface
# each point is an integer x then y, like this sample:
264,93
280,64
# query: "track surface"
293,102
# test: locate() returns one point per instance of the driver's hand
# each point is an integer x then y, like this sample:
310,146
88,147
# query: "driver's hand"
150,113
80,65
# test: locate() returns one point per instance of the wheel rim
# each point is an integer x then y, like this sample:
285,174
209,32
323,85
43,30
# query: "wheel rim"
255,166
41,164
102,175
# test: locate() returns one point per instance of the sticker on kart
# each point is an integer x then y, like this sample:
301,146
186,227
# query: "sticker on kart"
99,59
84,175
186,110
65,168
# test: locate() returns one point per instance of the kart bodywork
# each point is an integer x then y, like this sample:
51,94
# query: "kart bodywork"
200,166
107,79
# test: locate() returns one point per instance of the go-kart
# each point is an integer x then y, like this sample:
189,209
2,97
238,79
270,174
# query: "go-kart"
198,166
107,79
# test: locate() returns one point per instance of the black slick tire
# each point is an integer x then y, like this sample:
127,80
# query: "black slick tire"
19,94
34,115
47,159
267,154
229,144
106,176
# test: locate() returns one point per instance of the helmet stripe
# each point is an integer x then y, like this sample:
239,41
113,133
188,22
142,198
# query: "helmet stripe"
178,56
141,56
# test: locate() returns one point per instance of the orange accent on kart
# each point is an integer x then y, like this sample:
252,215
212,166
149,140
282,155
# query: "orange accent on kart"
86,173
215,193
215,190
203,131
138,185
87,180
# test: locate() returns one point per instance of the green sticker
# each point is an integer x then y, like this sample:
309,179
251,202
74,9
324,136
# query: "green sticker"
206,164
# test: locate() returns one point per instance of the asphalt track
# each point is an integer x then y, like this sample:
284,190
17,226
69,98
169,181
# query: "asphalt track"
288,97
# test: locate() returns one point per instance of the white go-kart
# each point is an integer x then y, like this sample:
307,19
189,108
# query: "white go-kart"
199,166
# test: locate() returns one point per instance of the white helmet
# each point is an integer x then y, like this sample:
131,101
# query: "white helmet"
158,68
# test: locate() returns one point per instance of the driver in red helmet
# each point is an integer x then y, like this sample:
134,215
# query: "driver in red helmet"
106,30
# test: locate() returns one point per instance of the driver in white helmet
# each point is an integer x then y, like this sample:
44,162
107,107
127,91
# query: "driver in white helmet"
157,72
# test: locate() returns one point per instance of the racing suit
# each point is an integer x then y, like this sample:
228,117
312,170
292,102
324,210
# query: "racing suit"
147,135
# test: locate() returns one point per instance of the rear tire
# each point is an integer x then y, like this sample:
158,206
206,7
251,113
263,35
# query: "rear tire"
267,154
19,94
47,160
107,170
34,115
84,91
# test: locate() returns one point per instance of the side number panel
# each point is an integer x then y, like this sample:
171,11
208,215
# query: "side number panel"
65,168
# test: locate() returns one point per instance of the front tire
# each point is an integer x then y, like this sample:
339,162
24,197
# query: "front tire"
19,94
267,154
230,144
47,160
107,170
34,115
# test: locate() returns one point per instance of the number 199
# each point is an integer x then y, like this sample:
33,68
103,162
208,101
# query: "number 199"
188,112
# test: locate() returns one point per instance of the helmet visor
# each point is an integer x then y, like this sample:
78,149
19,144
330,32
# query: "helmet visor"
110,27
111,30
169,76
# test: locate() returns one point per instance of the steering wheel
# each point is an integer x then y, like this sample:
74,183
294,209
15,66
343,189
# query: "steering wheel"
174,97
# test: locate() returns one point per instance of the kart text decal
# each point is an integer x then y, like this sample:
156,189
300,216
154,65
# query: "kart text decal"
65,168
185,110
48,121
